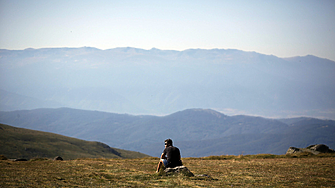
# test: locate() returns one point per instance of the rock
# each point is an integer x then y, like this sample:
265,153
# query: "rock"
182,170
203,177
58,158
314,149
179,170
320,148
20,160
292,150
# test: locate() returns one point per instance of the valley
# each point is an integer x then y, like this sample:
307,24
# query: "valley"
197,132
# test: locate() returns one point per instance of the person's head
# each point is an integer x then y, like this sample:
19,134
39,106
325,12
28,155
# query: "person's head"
168,142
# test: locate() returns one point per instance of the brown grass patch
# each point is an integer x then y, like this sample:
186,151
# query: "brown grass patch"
226,171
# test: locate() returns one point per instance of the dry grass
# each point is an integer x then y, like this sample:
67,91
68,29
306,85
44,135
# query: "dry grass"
226,171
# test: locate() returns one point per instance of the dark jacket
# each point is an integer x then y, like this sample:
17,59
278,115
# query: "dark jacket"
173,156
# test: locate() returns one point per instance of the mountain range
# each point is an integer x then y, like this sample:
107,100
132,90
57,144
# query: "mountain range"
161,82
197,132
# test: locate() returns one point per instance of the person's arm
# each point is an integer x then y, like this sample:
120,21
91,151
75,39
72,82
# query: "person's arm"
163,156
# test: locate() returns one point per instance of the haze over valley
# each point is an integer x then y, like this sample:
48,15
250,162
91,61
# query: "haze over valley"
161,82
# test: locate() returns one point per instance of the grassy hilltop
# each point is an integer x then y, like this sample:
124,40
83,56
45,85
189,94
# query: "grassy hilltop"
28,144
225,171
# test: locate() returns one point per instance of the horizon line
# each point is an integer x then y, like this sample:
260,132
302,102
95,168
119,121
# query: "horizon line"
154,48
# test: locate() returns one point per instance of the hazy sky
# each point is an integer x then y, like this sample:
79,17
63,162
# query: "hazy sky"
281,28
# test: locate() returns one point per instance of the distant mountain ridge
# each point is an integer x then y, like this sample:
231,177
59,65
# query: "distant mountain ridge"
198,132
138,81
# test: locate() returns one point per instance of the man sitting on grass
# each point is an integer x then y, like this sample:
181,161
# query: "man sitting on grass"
170,157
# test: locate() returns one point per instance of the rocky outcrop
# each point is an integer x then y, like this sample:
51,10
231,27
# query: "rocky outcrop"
20,160
179,170
320,148
292,150
182,170
315,149
58,158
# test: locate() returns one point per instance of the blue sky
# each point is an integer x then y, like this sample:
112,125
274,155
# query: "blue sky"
281,28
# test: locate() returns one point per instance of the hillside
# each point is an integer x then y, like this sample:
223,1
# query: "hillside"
138,81
25,143
198,132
